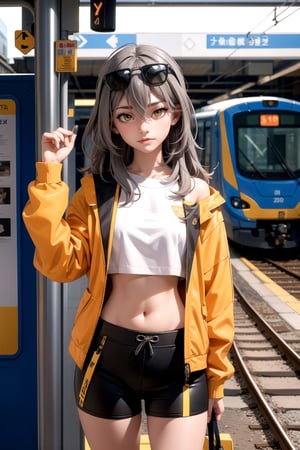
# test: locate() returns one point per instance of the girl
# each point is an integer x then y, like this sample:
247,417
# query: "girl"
156,320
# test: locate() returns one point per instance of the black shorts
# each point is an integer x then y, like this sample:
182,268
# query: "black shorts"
134,366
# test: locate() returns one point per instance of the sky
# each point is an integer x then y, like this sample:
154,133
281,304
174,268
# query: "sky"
179,20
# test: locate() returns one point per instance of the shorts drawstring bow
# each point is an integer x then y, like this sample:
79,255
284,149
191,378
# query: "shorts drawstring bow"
145,340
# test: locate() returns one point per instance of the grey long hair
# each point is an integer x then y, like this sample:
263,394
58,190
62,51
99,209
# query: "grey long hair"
109,153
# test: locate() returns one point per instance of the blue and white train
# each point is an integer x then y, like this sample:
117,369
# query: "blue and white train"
253,146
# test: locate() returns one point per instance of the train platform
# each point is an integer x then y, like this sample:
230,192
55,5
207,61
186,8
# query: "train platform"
286,305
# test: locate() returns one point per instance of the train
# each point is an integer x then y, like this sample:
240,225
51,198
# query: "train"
251,146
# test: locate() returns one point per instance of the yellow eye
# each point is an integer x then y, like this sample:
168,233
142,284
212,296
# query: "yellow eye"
124,117
159,112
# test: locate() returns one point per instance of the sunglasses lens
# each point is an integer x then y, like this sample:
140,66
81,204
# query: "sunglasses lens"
118,80
155,74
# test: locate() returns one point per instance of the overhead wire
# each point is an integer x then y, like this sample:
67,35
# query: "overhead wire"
276,15
249,33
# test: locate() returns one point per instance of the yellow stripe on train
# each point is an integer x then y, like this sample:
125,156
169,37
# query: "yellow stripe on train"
256,212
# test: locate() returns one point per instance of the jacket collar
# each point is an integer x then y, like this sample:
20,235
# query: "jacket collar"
210,204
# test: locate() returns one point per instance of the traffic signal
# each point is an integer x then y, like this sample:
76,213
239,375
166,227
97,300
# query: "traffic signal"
103,15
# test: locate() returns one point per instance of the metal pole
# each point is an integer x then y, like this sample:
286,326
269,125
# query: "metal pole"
49,293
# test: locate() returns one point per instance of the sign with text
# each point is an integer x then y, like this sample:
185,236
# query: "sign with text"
253,41
194,45
18,293
66,55
9,333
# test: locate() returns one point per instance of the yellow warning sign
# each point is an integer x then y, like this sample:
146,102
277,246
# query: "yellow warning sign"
66,56
24,41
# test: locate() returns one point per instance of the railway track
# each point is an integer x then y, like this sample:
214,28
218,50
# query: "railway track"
286,273
266,357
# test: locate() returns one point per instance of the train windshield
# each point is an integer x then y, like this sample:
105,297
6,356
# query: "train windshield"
267,144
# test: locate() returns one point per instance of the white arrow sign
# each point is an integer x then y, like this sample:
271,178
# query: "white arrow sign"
113,41
81,41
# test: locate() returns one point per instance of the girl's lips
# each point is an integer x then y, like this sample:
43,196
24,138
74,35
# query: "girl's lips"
142,141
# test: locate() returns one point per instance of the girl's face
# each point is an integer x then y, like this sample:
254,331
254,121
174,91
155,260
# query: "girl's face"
144,134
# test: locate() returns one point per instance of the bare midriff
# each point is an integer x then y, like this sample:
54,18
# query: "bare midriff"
144,302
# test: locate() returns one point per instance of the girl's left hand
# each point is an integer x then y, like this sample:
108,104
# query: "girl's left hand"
216,404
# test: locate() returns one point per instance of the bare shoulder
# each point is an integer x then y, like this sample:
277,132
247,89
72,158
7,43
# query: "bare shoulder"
199,191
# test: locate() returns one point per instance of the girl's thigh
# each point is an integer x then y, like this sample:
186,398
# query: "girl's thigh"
181,433
110,434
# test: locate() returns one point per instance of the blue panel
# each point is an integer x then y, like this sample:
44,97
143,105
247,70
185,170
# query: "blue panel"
18,369
105,41
252,41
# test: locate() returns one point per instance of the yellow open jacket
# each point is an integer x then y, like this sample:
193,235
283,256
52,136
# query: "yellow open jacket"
68,248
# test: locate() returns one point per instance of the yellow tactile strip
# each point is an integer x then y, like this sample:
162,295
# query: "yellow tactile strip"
287,298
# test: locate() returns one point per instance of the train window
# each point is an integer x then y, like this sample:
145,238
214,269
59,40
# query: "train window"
267,147
203,139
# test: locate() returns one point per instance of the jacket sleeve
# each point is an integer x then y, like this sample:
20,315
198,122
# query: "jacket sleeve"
61,245
219,297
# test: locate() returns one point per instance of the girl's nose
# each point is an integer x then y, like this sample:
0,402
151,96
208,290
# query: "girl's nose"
144,125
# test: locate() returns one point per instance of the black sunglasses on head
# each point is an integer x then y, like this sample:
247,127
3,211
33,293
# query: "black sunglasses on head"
152,75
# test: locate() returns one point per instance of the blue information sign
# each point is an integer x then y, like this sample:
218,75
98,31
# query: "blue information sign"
105,41
18,298
252,41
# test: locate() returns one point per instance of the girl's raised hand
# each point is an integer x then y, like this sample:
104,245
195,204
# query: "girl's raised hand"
58,144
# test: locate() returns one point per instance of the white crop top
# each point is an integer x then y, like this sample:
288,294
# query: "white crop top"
150,233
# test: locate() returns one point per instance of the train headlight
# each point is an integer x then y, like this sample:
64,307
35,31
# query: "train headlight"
238,203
